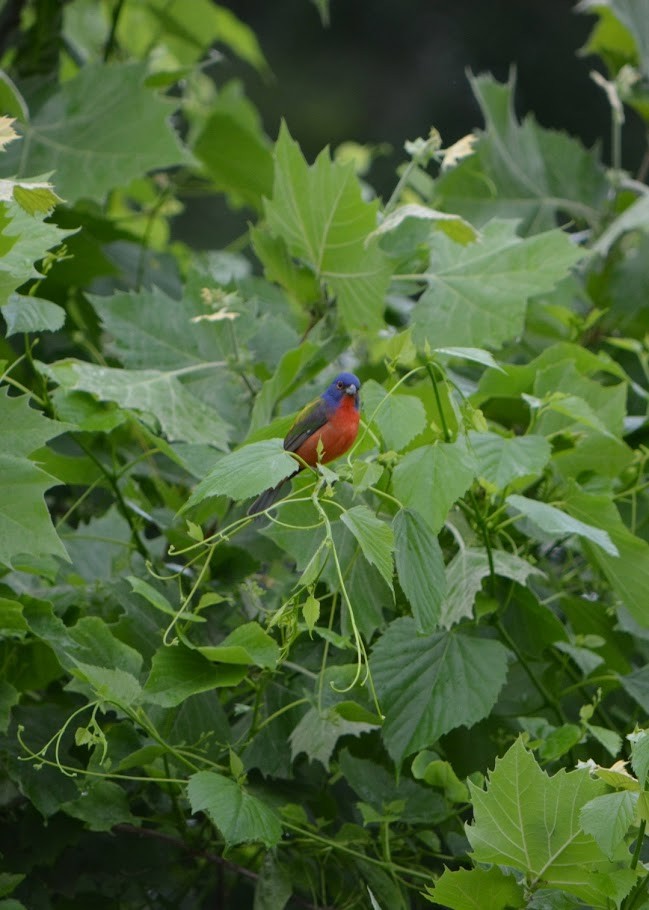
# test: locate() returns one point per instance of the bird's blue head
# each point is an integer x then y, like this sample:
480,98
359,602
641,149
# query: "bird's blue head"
344,384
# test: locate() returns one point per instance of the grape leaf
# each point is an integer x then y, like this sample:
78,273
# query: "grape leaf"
431,478
375,537
320,214
501,459
420,567
552,520
246,472
25,524
151,393
101,129
430,684
24,239
31,314
239,816
521,170
399,418
477,295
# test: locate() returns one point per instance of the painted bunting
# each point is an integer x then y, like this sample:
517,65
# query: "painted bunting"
322,431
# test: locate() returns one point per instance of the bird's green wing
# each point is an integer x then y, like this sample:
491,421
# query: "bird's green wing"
310,419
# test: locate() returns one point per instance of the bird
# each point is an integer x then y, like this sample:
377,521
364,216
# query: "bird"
323,430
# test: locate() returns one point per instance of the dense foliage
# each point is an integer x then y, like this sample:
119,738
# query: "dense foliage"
420,677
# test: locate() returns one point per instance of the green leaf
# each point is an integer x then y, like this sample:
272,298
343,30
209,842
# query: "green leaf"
25,524
247,644
9,696
274,887
628,573
640,754
477,295
501,459
234,149
608,818
375,537
420,567
455,227
439,774
377,786
178,672
31,314
474,355
477,889
240,817
521,170
531,822
151,393
430,684
24,239
246,472
35,198
464,575
102,805
552,520
101,129
158,600
318,732
110,684
431,478
399,418
320,214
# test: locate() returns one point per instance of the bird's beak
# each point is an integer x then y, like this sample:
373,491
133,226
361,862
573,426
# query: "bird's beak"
351,389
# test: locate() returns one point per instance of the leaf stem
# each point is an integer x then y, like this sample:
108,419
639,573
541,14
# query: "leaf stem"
442,416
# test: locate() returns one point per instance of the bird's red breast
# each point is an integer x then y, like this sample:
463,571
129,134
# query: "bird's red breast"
337,434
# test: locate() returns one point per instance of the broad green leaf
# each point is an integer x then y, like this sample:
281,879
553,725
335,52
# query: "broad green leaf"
294,366
455,227
318,732
635,217
640,754
431,478
186,31
100,130
320,214
476,889
464,576
246,472
158,600
247,644
240,817
31,314
477,295
420,567
375,537
608,818
439,774
90,642
35,198
628,573
24,239
102,805
110,683
274,886
399,418
24,429
637,685
151,393
234,150
474,355
430,684
501,459
377,786
531,822
521,170
177,672
552,520
25,524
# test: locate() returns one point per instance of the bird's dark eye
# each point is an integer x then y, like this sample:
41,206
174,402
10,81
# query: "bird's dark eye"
339,384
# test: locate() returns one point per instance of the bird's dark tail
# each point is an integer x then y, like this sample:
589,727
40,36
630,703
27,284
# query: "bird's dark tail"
267,498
